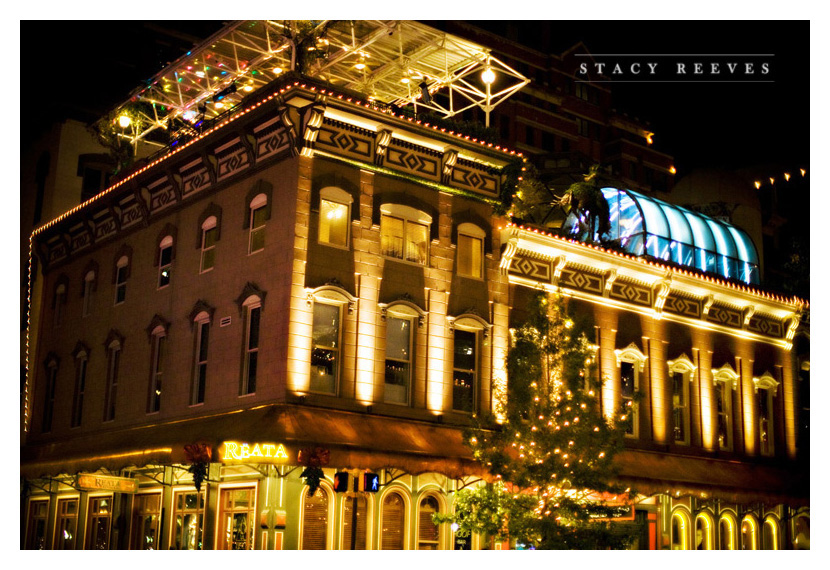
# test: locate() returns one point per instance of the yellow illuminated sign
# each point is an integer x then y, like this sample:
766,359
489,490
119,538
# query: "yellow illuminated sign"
93,482
241,452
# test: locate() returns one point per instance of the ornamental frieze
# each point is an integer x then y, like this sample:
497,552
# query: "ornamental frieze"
682,305
345,140
195,177
631,292
416,162
573,278
231,159
728,316
766,325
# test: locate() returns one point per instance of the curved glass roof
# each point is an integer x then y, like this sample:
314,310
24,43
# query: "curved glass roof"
642,225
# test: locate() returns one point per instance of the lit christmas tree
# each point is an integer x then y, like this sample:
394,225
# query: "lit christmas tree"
551,459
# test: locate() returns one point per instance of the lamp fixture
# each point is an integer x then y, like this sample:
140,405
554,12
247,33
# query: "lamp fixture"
124,121
488,76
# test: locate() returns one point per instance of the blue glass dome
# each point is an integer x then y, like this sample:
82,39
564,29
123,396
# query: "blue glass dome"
641,225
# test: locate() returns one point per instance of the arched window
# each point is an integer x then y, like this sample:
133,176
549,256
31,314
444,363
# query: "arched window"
335,216
81,355
726,533
210,234
468,331
631,362
354,523
703,532
200,357
769,534
113,364
122,272
470,251
725,381
401,325
404,233
327,338
88,292
59,304
749,534
393,522
258,214
253,311
679,531
315,519
429,534
165,261
766,388
681,373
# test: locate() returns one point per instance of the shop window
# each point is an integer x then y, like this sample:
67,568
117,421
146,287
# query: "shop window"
631,363
726,533
49,396
200,358
703,532
122,272
335,206
188,520
393,520
66,524
464,370
325,355
158,338
749,534
81,361
429,537
210,234
258,215
36,529
237,519
725,380
354,523
165,261
145,522
681,372
253,313
88,293
315,519
765,389
802,533
59,304
404,233
679,531
470,251
398,374
769,534
99,519
113,365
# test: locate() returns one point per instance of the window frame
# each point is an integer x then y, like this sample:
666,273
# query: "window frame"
90,515
708,537
251,353
683,366
113,366
731,537
185,511
81,368
326,489
442,508
52,364
402,312
32,523
198,388
88,292
158,340
634,356
773,524
407,216
403,495
725,380
250,510
340,197
211,224
766,384
368,510
684,528
257,204
165,246
122,274
136,518
469,324
60,516
338,348
59,304
476,235
750,520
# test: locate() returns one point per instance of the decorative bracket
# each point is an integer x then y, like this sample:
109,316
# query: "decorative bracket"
382,140
447,164
610,277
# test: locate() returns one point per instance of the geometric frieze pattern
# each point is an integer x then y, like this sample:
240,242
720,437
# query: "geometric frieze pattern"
268,143
57,251
81,240
725,316
412,161
345,143
631,293
196,180
531,268
105,228
162,197
130,215
766,326
472,179
685,306
232,162
581,280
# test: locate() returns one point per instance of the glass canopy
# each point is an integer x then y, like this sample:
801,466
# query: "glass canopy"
641,225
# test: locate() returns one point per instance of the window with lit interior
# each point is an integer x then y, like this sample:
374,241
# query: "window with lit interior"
165,261
200,358
393,521
258,212
145,523
325,349
122,272
334,222
253,312
400,320
470,251
681,373
725,381
467,333
631,362
66,523
210,234
404,233
766,388
429,534
188,520
315,522
159,348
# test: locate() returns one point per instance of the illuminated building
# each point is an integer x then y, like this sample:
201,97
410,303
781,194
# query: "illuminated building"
316,280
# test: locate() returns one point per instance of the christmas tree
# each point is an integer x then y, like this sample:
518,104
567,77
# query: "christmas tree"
551,457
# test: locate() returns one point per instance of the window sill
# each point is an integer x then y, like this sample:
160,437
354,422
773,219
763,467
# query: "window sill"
403,261
334,245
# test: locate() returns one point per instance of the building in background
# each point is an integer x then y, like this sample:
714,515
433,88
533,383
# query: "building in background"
320,279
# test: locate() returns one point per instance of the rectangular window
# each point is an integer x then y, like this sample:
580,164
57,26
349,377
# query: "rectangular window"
237,519
154,402
723,401
60,301
470,251
257,237
36,531
112,383
334,223
188,519
251,350
99,517
325,355
404,239
200,365
398,360
464,370
165,265
49,399
680,407
209,237
628,385
89,286
80,387
66,524
145,523
121,284
765,420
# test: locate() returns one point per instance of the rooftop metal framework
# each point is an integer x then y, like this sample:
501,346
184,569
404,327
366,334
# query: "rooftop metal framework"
392,61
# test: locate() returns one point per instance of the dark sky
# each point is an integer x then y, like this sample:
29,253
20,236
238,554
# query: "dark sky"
704,124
